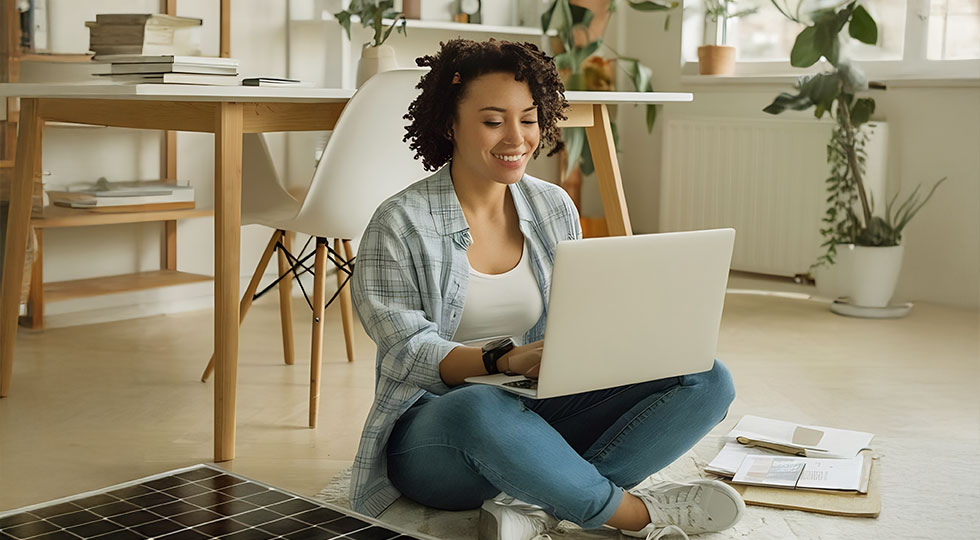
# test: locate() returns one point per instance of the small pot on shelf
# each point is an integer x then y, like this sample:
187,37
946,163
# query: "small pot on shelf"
716,60
374,60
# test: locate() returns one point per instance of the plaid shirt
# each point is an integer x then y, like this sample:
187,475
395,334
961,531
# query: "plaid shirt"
409,288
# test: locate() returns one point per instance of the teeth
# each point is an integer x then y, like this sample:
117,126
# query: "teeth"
509,158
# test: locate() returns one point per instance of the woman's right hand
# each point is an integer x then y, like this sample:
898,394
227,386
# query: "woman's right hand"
524,360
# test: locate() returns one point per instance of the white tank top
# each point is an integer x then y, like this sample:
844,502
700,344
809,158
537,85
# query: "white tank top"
497,305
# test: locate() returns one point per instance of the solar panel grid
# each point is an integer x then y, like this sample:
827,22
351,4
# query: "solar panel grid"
203,502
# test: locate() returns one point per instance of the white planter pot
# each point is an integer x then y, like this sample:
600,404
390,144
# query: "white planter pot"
374,60
874,274
867,276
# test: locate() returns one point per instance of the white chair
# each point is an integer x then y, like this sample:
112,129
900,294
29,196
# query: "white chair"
365,162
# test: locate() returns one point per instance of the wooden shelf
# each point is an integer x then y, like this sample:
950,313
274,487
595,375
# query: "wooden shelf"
84,288
57,216
54,57
454,26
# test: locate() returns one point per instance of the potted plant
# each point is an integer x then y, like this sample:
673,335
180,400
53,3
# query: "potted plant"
719,59
375,55
580,25
872,254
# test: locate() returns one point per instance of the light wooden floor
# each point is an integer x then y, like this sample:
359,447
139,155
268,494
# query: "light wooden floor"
97,405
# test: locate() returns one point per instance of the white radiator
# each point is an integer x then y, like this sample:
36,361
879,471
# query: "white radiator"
765,178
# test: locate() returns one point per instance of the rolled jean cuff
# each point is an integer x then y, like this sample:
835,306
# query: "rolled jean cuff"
607,513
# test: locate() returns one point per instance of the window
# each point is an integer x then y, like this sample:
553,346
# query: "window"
954,30
916,38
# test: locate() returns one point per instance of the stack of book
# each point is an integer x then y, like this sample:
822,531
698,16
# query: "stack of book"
104,196
138,69
144,34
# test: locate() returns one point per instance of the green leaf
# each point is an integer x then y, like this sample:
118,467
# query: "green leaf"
863,27
861,111
651,117
566,60
806,51
584,52
784,101
574,142
652,5
587,166
576,82
546,17
344,19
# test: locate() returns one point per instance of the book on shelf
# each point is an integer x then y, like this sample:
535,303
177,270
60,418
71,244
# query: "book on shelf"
120,195
143,34
274,81
774,453
170,67
174,78
211,61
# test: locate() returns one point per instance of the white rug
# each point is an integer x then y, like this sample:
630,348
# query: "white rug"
930,491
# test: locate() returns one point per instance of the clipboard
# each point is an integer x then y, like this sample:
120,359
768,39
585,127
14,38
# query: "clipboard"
834,503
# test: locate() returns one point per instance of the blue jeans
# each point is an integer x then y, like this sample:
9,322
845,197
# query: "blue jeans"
571,455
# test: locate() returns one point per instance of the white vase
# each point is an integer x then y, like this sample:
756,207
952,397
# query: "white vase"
866,276
874,274
374,60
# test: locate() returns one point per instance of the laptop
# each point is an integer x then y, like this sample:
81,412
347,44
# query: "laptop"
629,309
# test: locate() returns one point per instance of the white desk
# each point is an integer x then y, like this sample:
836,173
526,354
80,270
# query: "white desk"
228,112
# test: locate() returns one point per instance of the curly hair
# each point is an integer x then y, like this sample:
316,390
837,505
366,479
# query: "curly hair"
433,112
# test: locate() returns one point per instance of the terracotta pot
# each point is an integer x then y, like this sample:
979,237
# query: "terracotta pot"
374,60
412,9
716,60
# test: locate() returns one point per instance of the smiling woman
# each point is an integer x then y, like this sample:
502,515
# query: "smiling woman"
451,281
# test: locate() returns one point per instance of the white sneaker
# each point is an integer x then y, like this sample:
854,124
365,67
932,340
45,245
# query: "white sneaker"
699,507
506,518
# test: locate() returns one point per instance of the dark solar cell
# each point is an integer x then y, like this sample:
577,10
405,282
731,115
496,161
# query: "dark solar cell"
203,502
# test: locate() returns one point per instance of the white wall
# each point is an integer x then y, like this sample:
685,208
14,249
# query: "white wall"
933,132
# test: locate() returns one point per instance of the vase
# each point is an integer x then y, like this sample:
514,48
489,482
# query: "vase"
412,9
865,276
874,274
374,60
716,60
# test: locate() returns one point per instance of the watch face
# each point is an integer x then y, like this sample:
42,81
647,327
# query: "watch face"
470,7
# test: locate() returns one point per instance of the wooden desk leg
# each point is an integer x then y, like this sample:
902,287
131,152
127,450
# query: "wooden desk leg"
607,171
18,226
227,269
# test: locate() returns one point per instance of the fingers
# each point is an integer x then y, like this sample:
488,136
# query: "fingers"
533,372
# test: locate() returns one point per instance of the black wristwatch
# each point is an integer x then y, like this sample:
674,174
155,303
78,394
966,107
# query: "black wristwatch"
493,350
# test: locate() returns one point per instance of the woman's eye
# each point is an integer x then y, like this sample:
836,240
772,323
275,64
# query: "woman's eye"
530,121
492,124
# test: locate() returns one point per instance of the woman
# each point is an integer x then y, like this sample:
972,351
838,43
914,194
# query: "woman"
465,256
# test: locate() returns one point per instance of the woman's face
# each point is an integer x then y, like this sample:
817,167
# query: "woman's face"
496,128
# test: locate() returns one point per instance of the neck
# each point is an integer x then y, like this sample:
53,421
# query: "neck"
479,198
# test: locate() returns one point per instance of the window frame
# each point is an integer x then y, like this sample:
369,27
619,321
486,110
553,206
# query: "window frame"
913,66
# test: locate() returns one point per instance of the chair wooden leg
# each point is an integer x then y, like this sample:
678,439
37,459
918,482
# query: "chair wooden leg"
285,301
346,311
249,292
318,300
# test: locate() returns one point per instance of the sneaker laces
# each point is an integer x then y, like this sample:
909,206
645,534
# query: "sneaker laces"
658,534
675,506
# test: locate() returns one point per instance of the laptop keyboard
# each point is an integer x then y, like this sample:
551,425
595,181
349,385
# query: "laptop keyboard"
529,384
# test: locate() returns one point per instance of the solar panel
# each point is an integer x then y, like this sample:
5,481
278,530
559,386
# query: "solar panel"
193,503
